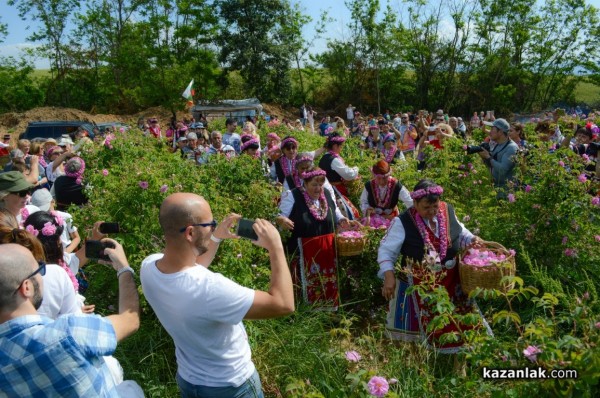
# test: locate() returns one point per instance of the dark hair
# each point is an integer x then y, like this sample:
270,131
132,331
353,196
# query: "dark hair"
584,131
53,247
519,129
329,144
230,121
289,144
425,184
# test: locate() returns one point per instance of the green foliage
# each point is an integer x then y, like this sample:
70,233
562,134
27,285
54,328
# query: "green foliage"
18,90
553,304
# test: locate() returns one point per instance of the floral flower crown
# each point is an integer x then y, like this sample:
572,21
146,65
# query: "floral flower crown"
78,174
374,128
248,143
273,136
389,173
419,193
48,229
288,140
338,139
311,174
304,159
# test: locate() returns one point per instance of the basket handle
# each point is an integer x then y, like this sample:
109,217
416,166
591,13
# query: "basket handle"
494,245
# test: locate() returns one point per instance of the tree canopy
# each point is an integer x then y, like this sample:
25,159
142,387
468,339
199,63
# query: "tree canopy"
460,55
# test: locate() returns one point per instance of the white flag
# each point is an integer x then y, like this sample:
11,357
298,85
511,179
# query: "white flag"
187,94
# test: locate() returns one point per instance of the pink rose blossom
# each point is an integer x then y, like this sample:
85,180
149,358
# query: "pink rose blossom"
527,188
239,255
531,353
565,239
597,237
143,184
561,163
511,198
512,252
596,201
597,325
104,172
32,230
585,157
464,147
466,218
570,252
49,229
470,166
378,386
582,178
353,356
164,188
586,295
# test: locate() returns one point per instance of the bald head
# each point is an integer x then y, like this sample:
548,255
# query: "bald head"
16,263
180,210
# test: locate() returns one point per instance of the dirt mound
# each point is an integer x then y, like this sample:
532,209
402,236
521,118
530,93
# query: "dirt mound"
275,109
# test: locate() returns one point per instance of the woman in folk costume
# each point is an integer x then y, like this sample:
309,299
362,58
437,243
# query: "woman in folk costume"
381,195
304,161
286,164
428,236
311,214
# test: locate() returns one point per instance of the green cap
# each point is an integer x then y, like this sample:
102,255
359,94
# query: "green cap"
14,181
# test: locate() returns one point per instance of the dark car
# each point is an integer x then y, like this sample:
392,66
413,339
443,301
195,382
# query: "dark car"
54,129
114,126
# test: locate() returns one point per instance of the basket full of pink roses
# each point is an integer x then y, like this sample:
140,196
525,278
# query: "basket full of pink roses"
485,266
350,243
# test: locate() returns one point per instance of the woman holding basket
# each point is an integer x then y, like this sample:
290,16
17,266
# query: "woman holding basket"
312,216
428,235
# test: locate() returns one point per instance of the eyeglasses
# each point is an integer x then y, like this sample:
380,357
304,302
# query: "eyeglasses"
212,225
22,194
41,269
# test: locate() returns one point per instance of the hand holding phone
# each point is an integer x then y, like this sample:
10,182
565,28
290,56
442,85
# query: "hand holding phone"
109,228
94,249
245,230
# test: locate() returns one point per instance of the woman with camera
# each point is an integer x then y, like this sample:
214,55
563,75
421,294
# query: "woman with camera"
501,159
311,214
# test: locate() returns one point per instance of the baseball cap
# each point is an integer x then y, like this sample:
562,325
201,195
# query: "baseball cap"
500,124
192,136
14,181
42,199
181,139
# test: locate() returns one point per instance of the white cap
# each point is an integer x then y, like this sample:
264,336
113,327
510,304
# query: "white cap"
41,198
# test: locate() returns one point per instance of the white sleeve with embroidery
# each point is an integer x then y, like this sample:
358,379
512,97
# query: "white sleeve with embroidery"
389,248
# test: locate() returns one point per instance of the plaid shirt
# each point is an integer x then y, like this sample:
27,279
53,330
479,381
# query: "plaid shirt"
62,358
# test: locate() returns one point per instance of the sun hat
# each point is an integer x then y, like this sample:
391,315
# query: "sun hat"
14,181
64,140
42,199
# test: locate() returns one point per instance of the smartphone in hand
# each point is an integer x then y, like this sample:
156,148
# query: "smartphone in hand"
244,229
109,228
94,249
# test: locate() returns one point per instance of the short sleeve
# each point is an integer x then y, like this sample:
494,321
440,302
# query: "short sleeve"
228,301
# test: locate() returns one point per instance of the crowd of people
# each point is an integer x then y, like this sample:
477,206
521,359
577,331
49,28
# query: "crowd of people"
45,321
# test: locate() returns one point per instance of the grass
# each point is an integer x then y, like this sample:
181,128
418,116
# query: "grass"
588,93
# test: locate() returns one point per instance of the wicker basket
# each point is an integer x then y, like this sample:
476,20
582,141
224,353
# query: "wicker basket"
472,277
347,247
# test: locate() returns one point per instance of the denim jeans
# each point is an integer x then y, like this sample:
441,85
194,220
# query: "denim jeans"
251,388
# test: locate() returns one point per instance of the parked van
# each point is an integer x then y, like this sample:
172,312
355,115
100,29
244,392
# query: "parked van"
54,129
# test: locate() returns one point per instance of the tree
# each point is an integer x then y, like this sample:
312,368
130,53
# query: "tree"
255,39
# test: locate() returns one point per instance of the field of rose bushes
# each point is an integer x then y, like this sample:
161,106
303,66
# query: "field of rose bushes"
550,319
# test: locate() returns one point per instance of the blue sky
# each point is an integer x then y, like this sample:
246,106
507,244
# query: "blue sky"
18,30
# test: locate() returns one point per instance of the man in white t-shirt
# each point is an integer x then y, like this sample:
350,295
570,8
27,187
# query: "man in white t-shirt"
203,310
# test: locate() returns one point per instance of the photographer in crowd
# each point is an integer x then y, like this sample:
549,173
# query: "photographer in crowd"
501,158
202,310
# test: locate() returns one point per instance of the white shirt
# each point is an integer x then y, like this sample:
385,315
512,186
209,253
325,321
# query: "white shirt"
404,196
287,204
59,296
350,112
52,174
347,173
202,311
389,248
